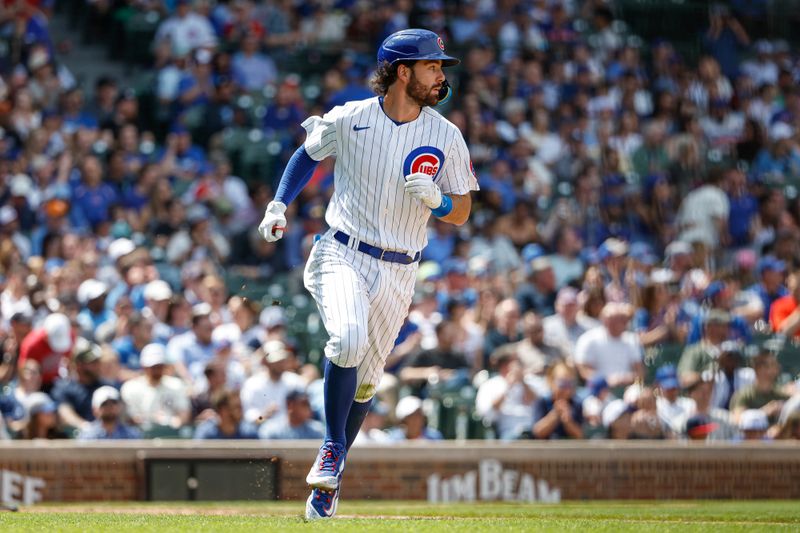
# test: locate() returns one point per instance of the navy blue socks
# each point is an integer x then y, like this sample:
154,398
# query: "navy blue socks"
340,389
358,412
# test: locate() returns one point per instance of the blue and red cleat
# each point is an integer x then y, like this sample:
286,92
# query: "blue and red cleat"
322,504
328,467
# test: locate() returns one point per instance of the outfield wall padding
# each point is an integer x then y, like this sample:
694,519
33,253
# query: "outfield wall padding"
532,471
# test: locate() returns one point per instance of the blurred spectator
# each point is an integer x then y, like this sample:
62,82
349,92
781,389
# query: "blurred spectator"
731,374
264,393
443,366
707,422
412,423
505,328
50,346
506,400
564,328
701,356
559,415
673,409
43,420
610,351
535,354
107,424
764,394
155,399
617,419
192,350
753,424
372,430
229,421
296,423
73,395
539,293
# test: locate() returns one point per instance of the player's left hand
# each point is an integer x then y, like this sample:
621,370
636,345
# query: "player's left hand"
421,186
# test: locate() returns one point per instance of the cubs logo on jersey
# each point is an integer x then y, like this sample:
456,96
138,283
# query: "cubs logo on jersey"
425,159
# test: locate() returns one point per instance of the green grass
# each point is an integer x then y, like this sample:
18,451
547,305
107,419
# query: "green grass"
411,516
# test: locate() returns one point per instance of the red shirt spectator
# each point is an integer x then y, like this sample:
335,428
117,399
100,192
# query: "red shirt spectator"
48,345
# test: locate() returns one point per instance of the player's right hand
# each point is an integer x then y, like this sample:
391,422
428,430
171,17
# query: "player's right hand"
274,222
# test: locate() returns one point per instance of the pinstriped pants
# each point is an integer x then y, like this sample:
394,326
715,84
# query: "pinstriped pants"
363,302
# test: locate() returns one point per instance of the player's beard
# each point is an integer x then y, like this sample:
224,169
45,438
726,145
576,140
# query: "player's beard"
421,94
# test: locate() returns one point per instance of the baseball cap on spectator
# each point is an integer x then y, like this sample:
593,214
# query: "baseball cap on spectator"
566,296
780,131
152,355
91,289
540,264
614,410
753,420
597,384
532,251
592,406
732,347
296,394
23,315
718,316
59,332
272,317
157,290
612,247
406,407
201,309
714,289
7,215
771,262
120,248
678,248
662,276
454,265
85,352
20,185
39,402
699,425
275,351
103,395
763,46
667,377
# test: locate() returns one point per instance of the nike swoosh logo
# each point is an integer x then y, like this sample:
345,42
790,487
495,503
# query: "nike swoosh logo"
359,128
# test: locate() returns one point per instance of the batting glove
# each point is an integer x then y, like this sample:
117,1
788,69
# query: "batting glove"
274,222
421,186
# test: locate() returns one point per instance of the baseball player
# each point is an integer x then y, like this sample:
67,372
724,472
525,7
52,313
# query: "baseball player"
397,163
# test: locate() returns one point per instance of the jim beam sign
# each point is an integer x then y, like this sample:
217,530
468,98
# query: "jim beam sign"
16,489
491,482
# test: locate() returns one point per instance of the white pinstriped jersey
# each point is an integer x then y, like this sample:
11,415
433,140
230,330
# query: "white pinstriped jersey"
373,156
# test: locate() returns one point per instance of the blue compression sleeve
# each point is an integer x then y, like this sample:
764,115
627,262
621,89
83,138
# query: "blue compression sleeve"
296,176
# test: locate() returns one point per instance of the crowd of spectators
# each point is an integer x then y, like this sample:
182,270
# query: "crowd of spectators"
634,203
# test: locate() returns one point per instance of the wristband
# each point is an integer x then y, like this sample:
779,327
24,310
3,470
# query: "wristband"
444,209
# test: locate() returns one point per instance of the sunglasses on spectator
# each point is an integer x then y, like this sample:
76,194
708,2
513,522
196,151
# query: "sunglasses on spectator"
565,383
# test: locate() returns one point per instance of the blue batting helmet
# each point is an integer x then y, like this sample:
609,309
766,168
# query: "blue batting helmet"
414,45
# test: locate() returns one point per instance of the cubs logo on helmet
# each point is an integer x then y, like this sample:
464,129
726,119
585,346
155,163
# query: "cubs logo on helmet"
425,159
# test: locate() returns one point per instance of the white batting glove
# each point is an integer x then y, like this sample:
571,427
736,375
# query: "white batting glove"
274,222
421,186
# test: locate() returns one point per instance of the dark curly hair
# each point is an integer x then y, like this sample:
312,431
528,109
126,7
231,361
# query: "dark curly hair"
385,76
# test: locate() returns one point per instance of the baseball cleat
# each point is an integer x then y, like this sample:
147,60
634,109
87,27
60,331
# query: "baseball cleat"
328,467
321,504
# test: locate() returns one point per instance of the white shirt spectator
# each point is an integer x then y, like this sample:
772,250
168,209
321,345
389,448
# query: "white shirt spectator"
674,415
514,415
155,405
761,72
557,333
187,33
723,133
699,212
607,355
260,394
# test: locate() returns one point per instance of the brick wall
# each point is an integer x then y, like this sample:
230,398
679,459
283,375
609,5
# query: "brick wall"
588,470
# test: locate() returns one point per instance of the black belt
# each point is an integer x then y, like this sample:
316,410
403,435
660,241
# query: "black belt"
377,253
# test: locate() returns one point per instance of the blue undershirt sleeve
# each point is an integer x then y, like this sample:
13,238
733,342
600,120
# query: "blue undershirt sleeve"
296,176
